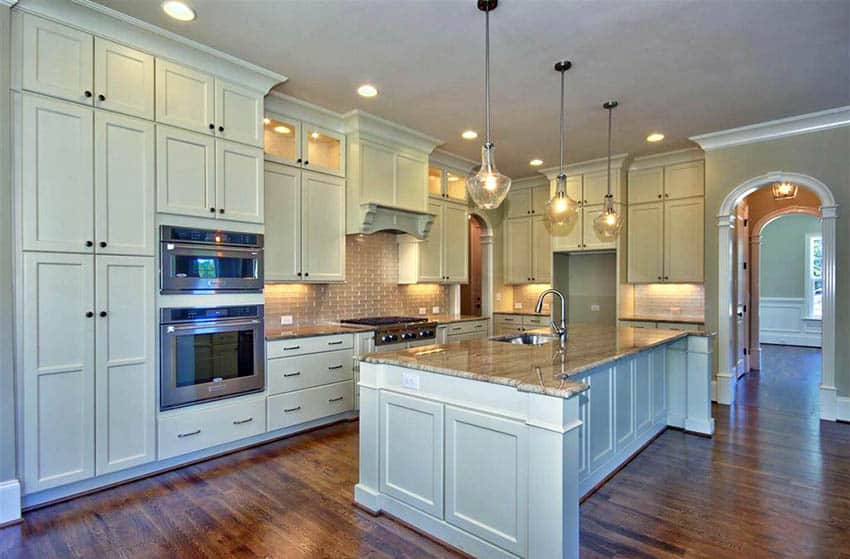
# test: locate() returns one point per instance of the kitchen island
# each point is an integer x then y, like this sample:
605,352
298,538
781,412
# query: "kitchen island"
489,446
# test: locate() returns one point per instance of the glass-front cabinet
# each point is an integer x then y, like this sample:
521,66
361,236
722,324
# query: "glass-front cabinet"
446,184
294,142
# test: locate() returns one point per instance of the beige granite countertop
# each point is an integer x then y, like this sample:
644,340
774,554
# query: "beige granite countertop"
523,313
542,369
288,331
453,318
662,317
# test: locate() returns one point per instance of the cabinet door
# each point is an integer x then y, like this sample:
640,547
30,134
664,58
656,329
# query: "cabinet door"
324,150
322,227
377,174
624,413
58,375
185,172
456,243
282,251
123,79
125,373
238,113
643,391
518,203
596,187
575,187
541,250
646,243
646,185
456,186
184,97
124,185
431,249
281,139
435,182
411,455
57,60
684,180
411,186
566,240
57,176
683,240
539,197
239,182
600,420
483,447
659,385
590,240
518,233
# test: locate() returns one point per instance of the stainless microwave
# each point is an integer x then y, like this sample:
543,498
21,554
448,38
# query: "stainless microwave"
209,261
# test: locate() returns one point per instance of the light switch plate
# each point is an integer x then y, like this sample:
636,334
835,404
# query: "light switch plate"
410,380
423,310
435,310
286,319
594,308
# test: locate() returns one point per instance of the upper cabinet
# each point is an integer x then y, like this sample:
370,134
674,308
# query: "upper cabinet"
527,247
295,142
443,257
523,202
238,113
443,183
123,79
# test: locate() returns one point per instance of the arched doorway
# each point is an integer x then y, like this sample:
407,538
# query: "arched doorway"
726,376
476,297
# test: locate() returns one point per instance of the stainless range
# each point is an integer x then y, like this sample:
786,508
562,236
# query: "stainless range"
398,332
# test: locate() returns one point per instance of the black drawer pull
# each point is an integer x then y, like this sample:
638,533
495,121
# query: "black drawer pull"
296,408
339,399
458,328
292,348
335,367
295,374
182,435
339,342
243,421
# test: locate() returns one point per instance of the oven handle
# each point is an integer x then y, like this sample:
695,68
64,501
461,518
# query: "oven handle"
210,324
177,248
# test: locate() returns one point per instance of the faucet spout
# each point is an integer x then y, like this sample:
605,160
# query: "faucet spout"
560,329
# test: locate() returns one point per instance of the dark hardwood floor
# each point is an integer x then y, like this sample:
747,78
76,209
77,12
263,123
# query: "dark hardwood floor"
773,482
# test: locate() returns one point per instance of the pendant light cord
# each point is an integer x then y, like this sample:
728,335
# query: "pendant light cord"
563,125
610,112
487,75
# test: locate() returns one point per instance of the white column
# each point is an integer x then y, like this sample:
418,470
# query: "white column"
676,370
487,276
366,492
828,395
725,321
698,418
755,293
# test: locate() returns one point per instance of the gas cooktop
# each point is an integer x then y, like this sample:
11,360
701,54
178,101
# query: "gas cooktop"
384,320
398,331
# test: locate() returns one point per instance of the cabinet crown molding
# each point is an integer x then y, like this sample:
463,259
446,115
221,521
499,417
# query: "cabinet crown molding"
382,130
666,158
105,22
529,182
775,129
277,102
450,161
589,166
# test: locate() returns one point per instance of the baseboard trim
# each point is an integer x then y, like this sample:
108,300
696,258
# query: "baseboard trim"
843,408
10,502
828,403
725,388
713,390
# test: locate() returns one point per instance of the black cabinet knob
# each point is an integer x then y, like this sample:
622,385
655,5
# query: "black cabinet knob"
89,244
299,274
306,274
299,160
212,126
87,93
102,314
212,210
221,210
101,97
102,244
306,162
221,128
89,314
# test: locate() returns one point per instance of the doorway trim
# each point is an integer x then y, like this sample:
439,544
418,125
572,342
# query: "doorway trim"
486,265
725,388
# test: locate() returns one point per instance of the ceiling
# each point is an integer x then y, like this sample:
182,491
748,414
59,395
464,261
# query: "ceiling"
680,67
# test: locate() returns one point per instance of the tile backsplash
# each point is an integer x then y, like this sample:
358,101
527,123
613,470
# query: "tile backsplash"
526,295
682,299
370,289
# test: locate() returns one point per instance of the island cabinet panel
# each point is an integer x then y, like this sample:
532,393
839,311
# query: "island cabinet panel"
583,461
659,385
643,390
484,452
411,451
624,390
600,420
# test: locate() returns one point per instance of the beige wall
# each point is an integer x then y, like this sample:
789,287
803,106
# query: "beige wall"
823,155
7,376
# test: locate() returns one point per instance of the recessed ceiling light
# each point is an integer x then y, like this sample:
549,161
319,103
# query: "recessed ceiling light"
315,135
267,120
282,129
178,10
367,90
469,135
536,162
655,137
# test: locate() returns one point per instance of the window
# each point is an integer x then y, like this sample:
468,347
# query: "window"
814,275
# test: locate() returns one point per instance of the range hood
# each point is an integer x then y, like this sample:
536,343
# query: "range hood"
376,217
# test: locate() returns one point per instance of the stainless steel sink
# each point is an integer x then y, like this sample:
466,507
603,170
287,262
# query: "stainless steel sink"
526,339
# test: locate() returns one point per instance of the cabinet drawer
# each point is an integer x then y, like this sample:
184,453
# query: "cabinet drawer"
466,327
535,321
507,319
191,430
686,326
292,408
301,346
637,324
296,373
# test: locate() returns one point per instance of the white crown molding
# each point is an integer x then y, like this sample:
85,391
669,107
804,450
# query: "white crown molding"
775,129
277,102
361,122
667,158
589,166
452,162
530,182
120,27
8,3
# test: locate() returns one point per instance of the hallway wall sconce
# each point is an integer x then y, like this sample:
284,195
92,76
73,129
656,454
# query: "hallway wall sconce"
784,191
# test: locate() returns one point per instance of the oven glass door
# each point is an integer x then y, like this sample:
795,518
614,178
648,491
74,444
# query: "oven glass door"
193,268
211,361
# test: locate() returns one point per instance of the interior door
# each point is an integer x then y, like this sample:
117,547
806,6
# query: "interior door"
282,254
322,227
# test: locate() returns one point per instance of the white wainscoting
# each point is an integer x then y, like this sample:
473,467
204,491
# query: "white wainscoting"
782,320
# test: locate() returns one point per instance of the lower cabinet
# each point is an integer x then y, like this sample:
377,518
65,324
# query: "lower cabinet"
293,408
505,324
459,331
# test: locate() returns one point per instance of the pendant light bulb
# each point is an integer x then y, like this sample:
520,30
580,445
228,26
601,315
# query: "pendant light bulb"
561,209
609,223
487,187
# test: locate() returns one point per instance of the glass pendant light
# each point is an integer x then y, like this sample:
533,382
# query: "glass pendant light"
609,223
561,209
487,187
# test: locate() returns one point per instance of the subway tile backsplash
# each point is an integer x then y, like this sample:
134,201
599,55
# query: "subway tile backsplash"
370,289
681,299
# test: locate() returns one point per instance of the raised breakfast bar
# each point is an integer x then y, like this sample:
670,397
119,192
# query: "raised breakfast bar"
489,446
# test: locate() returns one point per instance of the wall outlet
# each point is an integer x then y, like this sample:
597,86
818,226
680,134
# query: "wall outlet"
423,310
410,380
517,305
435,309
286,319
594,308
498,297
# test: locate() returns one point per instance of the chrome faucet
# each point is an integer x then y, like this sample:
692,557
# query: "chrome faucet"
561,329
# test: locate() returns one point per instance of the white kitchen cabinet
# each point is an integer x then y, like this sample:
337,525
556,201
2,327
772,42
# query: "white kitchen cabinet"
58,369
57,176
624,390
377,172
541,251
411,181
646,242
600,420
302,144
684,180
589,190
185,97
124,182
646,185
431,250
443,257
595,187
443,183
125,379
412,449
305,241
239,182
466,330
575,186
287,374
123,79
528,250
590,240
57,60
238,113
185,163
295,408
456,235
523,202
683,240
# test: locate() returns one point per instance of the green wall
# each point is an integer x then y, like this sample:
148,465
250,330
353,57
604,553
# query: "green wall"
782,268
